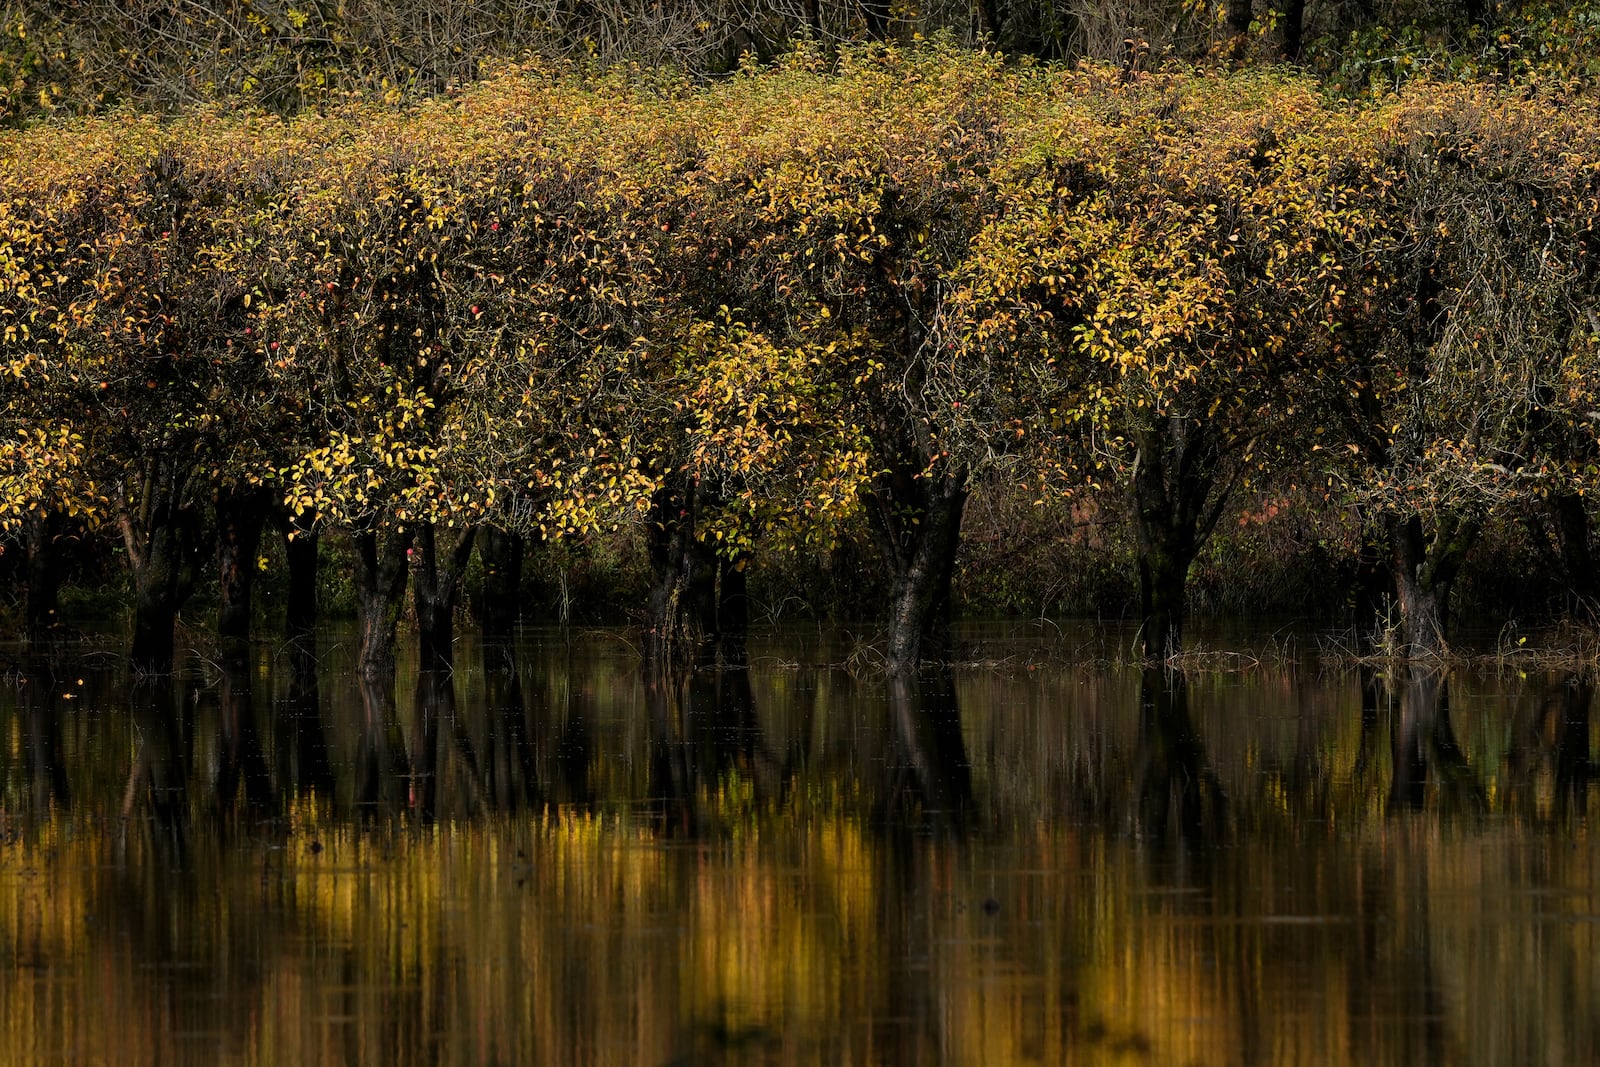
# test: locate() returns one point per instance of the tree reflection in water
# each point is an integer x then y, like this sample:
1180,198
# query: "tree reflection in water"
39,693
434,702
300,741
928,775
1574,767
382,768
241,764
509,763
160,771
1179,796
550,858
704,739
1426,751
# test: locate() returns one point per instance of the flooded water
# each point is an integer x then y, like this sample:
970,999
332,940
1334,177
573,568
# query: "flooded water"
1038,858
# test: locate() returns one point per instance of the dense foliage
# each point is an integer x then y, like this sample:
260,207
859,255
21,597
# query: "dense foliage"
287,55
817,303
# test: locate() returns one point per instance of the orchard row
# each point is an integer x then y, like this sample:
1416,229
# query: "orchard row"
812,302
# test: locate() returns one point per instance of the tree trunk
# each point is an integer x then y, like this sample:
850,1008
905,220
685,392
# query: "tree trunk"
41,537
698,606
1163,580
667,540
383,765
1240,14
380,580
162,533
992,18
1425,571
240,517
435,584
1374,589
917,521
733,611
500,605
155,620
1577,558
1294,30
302,743
1176,504
681,605
300,546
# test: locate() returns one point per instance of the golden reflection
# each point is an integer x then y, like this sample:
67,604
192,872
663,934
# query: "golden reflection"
581,937
1233,870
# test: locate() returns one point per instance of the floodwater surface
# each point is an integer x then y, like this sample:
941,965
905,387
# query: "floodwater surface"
1040,857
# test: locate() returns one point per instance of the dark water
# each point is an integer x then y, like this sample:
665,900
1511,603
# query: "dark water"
1039,858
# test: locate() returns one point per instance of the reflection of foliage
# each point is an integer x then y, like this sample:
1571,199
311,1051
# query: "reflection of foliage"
792,912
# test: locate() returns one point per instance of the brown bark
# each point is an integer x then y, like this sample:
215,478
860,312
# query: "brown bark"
240,518
733,610
301,542
1176,503
1294,30
1240,14
380,580
697,612
1425,569
672,632
916,519
499,605
1571,517
436,572
41,537
162,534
